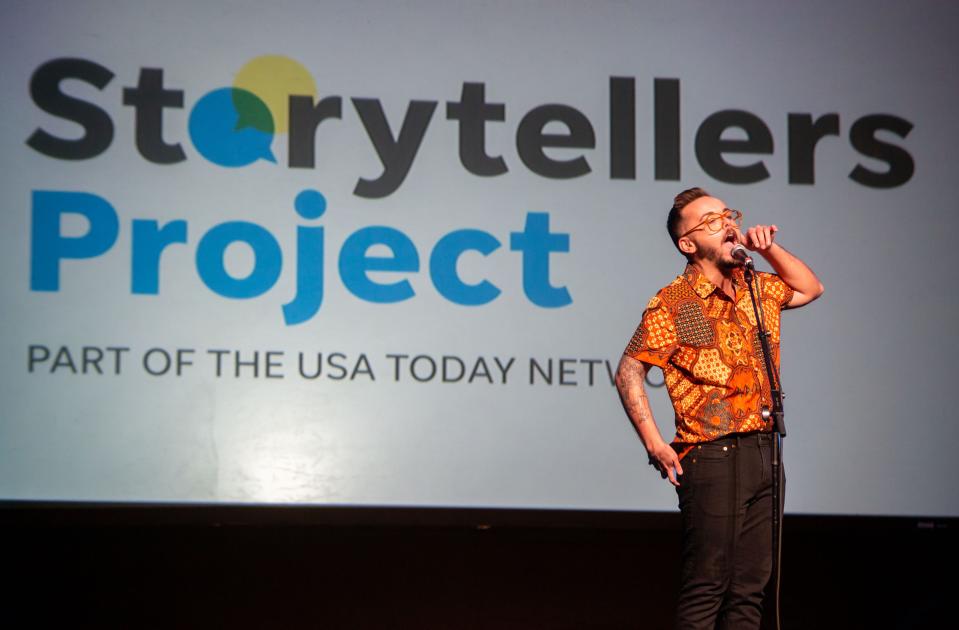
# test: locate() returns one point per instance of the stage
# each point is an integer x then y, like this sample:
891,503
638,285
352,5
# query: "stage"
112,566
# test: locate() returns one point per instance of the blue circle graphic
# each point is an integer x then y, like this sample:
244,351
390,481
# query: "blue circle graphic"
310,204
226,138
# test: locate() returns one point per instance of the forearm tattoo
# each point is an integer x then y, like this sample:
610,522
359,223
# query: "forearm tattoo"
632,390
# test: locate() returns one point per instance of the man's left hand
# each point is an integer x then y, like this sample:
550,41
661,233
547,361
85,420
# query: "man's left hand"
759,238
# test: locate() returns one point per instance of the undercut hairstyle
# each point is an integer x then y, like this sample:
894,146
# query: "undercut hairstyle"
679,202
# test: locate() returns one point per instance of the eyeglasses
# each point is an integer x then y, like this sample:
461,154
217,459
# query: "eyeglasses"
714,221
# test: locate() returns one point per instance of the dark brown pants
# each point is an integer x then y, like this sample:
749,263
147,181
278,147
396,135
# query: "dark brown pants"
725,496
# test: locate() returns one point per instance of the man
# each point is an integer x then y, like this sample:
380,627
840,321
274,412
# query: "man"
701,331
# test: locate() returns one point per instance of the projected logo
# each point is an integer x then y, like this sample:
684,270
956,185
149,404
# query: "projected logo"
234,126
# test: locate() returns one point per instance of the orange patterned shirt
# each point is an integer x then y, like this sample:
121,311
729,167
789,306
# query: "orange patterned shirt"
708,348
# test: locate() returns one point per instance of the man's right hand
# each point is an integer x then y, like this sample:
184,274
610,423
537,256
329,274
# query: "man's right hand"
630,378
664,458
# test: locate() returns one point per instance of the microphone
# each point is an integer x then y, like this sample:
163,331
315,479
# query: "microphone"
741,256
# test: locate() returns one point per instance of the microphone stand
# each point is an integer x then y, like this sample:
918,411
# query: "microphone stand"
779,431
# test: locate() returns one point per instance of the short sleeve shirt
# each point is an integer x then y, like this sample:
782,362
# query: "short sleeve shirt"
708,347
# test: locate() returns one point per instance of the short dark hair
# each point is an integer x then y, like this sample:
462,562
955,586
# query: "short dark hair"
679,202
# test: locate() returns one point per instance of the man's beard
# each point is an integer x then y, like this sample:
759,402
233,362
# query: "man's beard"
727,264
723,263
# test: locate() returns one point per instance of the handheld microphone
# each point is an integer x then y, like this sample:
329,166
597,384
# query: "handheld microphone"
740,255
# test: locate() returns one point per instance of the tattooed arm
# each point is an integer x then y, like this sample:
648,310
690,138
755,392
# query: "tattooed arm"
630,379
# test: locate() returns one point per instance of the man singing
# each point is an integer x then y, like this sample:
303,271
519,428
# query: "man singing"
701,331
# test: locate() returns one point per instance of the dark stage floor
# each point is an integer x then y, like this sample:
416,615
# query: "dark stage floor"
188,567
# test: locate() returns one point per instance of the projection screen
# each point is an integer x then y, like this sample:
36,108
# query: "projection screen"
383,254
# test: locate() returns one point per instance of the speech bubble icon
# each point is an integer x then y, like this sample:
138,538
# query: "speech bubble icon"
217,132
252,112
273,78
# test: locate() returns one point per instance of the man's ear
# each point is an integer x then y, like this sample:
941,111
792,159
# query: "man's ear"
686,246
